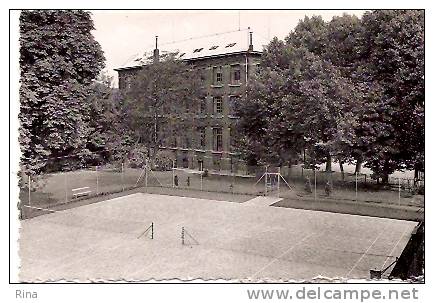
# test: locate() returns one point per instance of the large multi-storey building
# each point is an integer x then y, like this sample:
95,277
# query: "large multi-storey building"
226,62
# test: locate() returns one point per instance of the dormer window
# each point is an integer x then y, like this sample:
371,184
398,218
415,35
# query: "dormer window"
197,50
213,47
231,44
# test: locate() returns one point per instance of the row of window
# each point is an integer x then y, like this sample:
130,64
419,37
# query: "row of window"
217,139
235,75
198,50
217,107
218,78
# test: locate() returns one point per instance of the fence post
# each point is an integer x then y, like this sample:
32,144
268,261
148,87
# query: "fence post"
314,174
66,187
356,186
146,173
266,179
97,181
233,177
201,175
29,188
399,191
122,176
278,182
173,173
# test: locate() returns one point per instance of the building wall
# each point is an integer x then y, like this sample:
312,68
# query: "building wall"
207,156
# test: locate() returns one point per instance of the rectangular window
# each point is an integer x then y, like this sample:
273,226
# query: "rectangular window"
218,105
217,75
235,74
202,135
217,139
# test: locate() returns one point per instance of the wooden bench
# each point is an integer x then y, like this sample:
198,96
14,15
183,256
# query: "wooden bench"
81,191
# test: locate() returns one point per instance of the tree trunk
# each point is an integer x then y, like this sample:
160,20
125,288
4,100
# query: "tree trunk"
385,174
358,165
385,178
341,166
329,163
329,168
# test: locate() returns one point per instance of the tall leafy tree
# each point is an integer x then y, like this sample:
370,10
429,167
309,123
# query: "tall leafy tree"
108,138
268,132
393,56
162,103
59,58
295,102
334,42
355,91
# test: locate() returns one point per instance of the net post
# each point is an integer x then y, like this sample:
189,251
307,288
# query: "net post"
182,235
152,230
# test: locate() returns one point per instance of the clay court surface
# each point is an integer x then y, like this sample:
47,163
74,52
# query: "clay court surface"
247,241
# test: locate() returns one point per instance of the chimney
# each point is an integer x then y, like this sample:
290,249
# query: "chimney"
250,41
156,51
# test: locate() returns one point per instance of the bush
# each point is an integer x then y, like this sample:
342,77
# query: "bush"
137,157
163,161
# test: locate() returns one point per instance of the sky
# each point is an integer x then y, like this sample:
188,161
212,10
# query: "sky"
124,33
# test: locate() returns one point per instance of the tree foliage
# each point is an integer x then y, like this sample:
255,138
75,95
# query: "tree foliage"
393,57
59,58
350,88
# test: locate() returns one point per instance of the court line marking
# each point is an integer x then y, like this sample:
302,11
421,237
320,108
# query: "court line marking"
280,256
394,247
370,246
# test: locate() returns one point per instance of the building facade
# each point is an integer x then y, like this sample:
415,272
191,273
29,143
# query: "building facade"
225,66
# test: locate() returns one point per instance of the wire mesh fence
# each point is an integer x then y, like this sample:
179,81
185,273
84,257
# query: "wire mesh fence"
294,182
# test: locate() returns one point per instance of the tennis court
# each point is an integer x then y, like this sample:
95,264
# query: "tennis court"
113,240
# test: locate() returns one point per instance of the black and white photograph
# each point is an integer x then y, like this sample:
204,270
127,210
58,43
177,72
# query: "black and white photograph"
244,146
